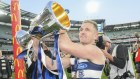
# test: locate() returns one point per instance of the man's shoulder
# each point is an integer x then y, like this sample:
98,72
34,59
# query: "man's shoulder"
97,49
98,55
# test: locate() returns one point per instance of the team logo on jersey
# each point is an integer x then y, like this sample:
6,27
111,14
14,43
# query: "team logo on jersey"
82,66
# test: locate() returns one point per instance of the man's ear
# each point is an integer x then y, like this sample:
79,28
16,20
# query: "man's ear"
97,35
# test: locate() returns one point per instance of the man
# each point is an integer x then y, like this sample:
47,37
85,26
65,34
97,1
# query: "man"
5,70
137,58
32,71
89,60
119,60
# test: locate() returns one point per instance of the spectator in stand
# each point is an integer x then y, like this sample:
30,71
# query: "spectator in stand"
119,60
136,54
5,70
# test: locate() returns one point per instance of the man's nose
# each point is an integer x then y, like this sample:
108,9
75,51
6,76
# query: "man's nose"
82,32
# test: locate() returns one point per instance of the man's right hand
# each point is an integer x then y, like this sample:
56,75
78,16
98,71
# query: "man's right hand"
35,47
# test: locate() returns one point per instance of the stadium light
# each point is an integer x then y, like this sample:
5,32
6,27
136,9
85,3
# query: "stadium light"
92,6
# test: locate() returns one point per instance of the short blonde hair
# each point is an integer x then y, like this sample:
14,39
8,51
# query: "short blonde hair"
92,22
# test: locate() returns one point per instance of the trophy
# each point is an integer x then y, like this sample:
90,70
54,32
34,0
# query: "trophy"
53,18
23,38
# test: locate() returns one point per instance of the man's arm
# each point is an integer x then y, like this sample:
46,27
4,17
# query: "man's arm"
121,56
120,59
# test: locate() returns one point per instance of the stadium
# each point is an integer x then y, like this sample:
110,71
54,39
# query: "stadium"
119,33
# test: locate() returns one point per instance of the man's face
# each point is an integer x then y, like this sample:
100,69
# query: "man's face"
88,34
139,44
108,44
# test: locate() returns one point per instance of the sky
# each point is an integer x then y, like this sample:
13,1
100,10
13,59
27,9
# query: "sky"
113,11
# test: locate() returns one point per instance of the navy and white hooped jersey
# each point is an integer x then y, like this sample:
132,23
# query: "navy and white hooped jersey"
86,69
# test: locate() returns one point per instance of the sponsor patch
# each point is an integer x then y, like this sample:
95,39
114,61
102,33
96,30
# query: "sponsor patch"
82,66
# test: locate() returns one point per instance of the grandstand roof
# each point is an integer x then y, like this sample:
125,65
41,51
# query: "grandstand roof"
96,20
6,7
77,24
131,25
26,16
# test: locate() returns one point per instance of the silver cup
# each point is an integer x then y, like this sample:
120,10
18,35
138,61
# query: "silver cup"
23,38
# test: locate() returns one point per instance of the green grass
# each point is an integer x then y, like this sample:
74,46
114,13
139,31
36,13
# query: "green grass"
68,74
13,77
103,76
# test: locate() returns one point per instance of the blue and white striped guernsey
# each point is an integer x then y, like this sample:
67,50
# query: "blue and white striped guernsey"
86,69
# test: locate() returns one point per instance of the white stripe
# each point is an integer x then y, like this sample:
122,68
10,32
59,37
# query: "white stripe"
43,59
64,74
90,74
30,44
72,74
3,61
82,60
3,68
72,61
29,61
3,64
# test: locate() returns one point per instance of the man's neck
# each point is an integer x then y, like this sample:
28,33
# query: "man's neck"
88,43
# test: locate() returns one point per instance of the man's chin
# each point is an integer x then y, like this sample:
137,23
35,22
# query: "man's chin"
83,42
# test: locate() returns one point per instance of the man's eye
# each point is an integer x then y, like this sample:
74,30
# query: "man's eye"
87,29
80,29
